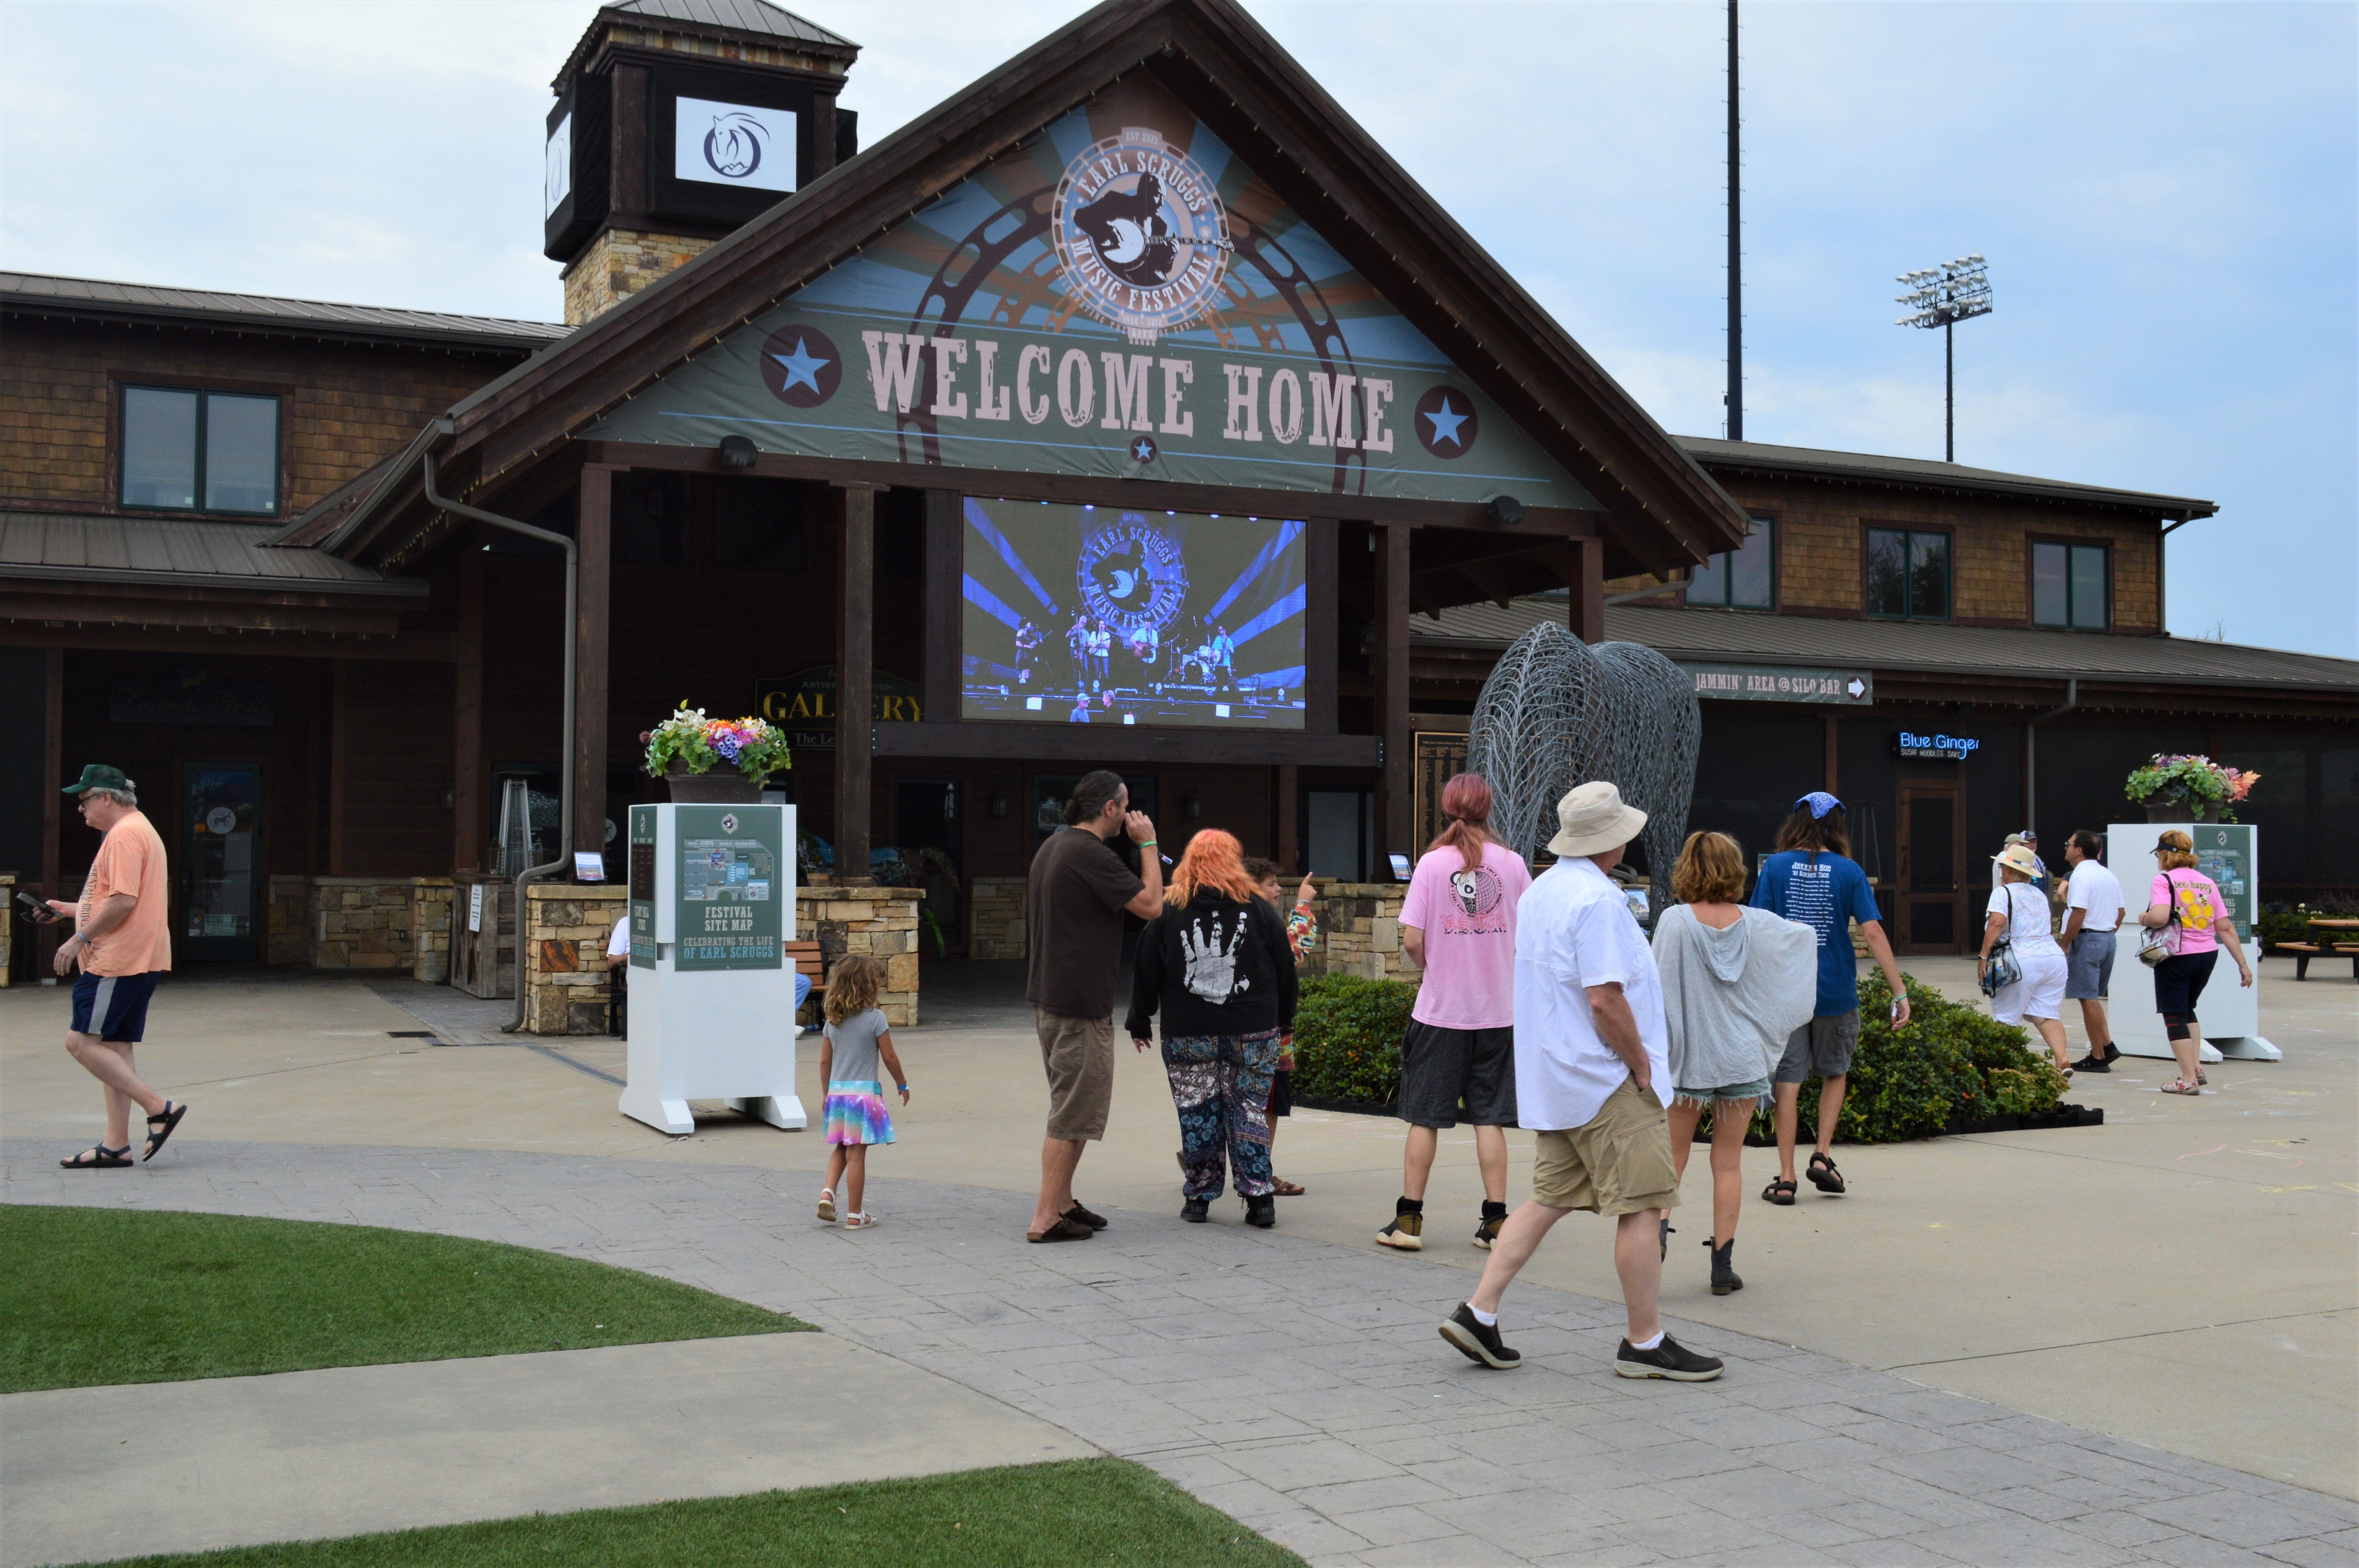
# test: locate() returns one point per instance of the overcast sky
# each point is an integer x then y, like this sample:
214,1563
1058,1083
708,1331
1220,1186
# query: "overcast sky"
2166,194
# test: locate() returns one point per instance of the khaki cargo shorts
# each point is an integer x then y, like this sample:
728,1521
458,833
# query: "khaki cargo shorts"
1077,1054
1619,1163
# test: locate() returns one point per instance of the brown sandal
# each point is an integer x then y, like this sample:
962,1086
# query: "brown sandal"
1280,1187
1063,1230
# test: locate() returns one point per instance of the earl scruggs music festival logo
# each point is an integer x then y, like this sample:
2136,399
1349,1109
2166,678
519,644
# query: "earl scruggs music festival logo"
1132,575
1141,235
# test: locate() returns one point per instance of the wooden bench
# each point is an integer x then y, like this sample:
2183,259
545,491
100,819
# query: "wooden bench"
810,962
2303,952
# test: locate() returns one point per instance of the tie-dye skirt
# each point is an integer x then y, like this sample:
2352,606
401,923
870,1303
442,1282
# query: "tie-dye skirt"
855,1112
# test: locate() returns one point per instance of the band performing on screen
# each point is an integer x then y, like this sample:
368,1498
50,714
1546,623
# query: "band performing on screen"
1102,615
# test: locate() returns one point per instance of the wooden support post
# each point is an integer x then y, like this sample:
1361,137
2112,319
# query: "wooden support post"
945,601
467,727
1585,611
593,598
855,682
53,782
1834,726
1391,660
1285,806
822,133
340,735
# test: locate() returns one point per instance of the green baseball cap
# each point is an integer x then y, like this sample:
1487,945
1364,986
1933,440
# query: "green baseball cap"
98,775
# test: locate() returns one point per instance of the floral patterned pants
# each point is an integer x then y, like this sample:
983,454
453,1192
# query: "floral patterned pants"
1220,1084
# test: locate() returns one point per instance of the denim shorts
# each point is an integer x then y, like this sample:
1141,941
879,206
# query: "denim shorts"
1725,1094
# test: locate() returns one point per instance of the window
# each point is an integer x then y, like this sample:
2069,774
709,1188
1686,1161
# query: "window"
1907,574
1740,580
2069,586
199,451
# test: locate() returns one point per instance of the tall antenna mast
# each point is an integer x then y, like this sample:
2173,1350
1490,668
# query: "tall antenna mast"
1736,254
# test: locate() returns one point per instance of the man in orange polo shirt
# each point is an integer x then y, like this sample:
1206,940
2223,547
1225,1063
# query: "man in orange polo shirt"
123,941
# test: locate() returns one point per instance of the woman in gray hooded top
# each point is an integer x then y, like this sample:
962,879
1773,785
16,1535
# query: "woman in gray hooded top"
1737,982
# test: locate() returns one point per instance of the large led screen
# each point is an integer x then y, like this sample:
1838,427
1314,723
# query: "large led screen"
1109,615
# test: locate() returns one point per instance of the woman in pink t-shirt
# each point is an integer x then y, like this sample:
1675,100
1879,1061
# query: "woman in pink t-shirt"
2185,901
1458,924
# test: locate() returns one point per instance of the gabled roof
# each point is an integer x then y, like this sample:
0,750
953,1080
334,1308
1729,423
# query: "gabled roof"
722,21
1660,508
1910,647
1921,473
38,294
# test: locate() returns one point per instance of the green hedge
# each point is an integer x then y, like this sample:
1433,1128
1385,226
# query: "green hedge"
1952,1062
1347,1035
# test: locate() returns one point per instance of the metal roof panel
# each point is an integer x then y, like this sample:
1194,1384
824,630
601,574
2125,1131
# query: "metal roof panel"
1820,463
78,547
99,297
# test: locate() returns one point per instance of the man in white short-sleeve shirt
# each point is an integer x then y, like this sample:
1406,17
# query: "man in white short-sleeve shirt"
1594,1083
2092,905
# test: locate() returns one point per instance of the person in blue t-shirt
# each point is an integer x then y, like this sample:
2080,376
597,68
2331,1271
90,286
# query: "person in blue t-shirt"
1813,879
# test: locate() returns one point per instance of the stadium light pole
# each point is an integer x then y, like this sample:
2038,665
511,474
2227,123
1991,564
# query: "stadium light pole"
1942,297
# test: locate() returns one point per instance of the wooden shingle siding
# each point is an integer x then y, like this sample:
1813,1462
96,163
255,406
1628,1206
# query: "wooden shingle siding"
1822,536
345,405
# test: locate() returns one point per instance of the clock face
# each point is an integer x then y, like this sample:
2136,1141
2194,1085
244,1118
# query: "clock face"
557,180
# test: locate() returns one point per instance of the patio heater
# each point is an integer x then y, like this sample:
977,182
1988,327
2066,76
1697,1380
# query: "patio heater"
1942,297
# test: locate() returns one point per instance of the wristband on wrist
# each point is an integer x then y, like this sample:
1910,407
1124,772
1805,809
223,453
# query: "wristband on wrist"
1146,843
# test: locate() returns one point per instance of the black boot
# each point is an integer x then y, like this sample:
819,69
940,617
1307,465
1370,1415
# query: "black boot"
1262,1212
1195,1211
1724,1267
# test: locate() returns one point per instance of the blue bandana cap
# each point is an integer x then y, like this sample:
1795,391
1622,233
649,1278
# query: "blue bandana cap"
1821,803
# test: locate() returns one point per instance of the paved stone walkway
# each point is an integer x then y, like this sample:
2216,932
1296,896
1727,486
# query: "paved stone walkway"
1301,1386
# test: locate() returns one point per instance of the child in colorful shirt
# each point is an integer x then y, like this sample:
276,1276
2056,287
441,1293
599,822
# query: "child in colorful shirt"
856,1040
1301,935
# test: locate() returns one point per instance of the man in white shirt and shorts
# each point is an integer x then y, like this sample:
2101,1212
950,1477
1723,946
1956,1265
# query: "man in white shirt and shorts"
2093,905
1593,1081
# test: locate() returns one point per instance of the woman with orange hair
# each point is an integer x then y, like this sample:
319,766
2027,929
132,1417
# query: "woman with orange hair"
1215,963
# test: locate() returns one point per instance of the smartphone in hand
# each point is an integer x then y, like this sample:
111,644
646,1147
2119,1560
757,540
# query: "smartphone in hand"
37,910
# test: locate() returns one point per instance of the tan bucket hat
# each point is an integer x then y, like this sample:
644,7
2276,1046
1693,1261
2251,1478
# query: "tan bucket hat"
1592,819
2018,857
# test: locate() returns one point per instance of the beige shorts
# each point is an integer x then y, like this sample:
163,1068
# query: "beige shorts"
1078,1055
1619,1163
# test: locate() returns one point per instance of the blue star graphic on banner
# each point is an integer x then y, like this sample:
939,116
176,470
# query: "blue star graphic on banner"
1445,424
1142,450
802,367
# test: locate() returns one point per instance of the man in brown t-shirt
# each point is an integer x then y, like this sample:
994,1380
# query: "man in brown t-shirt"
1074,900
124,943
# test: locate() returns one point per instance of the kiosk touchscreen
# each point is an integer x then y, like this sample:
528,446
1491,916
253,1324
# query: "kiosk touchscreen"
712,992
2229,853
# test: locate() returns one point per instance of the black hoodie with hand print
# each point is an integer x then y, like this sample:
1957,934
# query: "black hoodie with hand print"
1216,966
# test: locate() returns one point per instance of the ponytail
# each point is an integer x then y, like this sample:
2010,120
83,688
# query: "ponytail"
1466,802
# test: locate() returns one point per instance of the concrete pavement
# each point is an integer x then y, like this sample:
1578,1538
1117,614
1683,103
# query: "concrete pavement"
95,1473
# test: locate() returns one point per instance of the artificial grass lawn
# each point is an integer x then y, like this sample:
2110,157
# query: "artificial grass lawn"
1033,1516
96,1296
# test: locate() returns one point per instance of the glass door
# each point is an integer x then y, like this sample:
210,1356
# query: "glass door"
220,870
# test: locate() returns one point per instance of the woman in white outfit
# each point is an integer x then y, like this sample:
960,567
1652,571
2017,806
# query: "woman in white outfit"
2019,913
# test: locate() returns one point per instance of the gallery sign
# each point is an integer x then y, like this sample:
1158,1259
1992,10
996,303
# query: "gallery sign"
803,704
1119,296
1911,747
1781,683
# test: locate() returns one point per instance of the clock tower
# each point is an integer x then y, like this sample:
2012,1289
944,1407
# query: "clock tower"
677,120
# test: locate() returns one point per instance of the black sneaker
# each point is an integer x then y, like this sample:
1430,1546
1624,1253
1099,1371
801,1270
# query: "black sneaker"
1405,1233
2090,1064
1668,1359
1479,1342
1486,1230
1262,1212
1195,1211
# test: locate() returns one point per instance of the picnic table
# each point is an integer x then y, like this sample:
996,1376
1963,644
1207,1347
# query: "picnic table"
2333,947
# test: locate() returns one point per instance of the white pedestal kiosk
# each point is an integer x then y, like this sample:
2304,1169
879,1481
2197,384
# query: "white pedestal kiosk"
2229,853
712,997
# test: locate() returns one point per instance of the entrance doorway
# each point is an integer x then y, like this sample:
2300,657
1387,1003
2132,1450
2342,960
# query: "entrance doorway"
928,826
1931,875
220,870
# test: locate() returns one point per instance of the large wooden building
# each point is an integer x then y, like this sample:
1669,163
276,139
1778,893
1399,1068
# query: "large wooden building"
1131,408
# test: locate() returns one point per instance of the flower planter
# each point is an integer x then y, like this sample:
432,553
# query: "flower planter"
2181,811
714,788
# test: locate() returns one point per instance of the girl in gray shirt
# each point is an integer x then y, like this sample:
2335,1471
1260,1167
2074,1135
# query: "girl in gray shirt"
856,1040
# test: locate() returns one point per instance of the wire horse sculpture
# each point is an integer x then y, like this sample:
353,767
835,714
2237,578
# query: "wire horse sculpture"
1558,712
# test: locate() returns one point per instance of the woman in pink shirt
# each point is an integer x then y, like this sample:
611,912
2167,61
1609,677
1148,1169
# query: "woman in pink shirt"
2188,905
1458,1053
